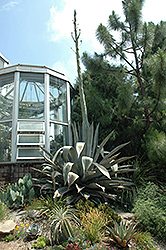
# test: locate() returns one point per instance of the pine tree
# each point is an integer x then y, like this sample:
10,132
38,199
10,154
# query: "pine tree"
134,48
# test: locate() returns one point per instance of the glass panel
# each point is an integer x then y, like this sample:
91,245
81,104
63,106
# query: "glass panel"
29,138
31,98
5,141
30,126
6,96
58,136
58,99
28,152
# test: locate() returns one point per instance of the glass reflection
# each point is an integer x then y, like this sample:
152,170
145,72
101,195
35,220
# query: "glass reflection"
6,101
5,141
58,100
58,137
31,100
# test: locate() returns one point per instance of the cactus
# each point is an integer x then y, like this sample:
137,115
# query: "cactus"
19,194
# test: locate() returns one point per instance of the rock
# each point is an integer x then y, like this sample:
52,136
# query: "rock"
7,226
127,216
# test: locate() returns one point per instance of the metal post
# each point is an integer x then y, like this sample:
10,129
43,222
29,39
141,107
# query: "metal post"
47,112
15,116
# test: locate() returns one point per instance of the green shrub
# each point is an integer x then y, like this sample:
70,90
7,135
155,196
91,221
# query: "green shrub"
85,207
144,241
93,224
150,211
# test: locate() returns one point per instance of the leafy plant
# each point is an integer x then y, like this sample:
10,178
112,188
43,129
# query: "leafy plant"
149,208
19,194
122,233
144,241
3,211
8,238
61,217
87,206
93,224
79,172
40,243
110,214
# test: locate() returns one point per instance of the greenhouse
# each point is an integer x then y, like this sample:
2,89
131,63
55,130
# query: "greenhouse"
34,111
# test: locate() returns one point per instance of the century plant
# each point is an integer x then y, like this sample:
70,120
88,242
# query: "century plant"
80,173
122,233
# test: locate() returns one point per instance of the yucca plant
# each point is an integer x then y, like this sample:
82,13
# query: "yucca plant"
78,172
122,233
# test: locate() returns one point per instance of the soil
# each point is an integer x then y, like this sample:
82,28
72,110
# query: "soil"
21,244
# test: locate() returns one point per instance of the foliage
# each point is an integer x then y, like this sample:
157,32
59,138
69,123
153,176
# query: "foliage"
93,224
8,238
3,211
40,243
122,233
131,94
18,195
144,241
5,141
110,214
150,210
61,217
20,230
80,172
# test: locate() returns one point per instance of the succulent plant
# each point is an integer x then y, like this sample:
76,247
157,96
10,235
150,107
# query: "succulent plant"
122,233
80,172
17,195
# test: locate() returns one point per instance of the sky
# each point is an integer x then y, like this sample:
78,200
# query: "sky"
38,32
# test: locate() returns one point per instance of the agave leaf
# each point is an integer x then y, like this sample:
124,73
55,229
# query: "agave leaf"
95,140
79,188
117,161
69,150
113,231
130,231
125,170
51,162
48,153
94,186
79,148
89,141
107,160
86,163
86,196
75,133
40,171
117,149
85,129
67,168
102,169
60,191
72,177
102,145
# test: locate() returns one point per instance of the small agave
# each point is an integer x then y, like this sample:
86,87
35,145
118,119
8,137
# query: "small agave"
33,231
123,233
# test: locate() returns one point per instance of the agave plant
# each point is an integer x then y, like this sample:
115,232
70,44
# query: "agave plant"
77,171
122,233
